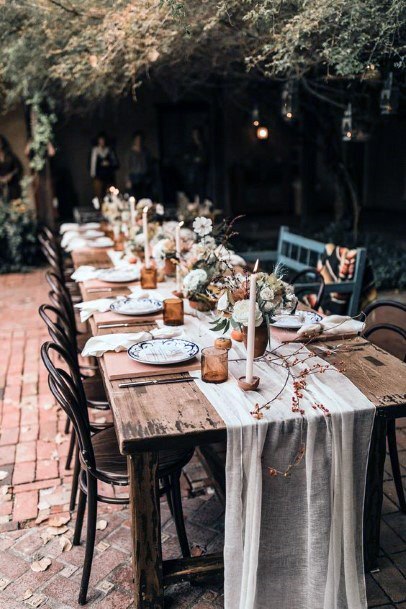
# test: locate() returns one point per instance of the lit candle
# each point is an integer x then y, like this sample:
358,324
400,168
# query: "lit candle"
132,210
251,326
146,242
178,253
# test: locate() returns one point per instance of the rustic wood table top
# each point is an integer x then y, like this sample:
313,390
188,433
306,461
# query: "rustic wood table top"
156,417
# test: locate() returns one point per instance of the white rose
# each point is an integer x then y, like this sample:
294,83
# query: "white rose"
268,306
241,313
194,279
267,294
159,208
202,226
222,303
144,203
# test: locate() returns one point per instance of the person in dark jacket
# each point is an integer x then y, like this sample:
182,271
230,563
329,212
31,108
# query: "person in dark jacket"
10,172
103,165
139,168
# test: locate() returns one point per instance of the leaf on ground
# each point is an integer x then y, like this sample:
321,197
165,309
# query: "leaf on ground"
3,474
58,521
47,406
43,505
65,543
41,565
101,525
55,455
27,594
41,518
4,489
197,551
60,438
51,532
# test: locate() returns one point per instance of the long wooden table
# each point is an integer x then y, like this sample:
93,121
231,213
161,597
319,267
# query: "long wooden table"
149,419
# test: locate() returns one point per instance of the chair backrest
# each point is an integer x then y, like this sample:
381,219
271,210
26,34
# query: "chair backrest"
299,253
57,285
385,326
67,388
59,330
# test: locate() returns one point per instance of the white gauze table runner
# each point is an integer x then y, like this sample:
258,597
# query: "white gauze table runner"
291,543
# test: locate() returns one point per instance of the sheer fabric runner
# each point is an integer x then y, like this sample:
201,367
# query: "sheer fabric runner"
292,543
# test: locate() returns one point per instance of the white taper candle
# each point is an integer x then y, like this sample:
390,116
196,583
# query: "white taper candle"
249,369
146,240
178,253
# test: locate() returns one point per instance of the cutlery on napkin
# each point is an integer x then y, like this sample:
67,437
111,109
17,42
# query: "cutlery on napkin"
88,307
332,325
97,345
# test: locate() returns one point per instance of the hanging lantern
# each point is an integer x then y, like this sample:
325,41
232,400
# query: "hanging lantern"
346,124
262,132
255,116
289,101
389,97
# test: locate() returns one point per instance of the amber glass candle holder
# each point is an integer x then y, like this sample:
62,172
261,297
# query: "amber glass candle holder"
173,312
214,365
149,278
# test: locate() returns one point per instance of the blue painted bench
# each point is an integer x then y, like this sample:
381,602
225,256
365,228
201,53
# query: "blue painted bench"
300,253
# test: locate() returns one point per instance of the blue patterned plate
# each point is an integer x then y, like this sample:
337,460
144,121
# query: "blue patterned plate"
136,306
162,351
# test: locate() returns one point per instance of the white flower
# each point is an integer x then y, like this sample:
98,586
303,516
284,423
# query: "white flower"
222,303
202,226
241,313
159,208
139,239
193,279
144,203
268,307
267,294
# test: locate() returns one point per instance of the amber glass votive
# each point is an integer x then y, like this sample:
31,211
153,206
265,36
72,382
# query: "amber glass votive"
214,365
149,278
173,312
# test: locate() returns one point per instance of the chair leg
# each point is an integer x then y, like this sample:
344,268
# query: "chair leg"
178,514
167,483
90,536
79,518
72,443
394,459
67,425
75,480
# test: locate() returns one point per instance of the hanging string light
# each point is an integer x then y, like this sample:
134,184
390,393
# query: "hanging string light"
255,116
389,97
346,124
262,132
289,101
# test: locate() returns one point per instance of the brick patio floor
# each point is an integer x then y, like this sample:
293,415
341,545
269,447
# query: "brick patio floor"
35,486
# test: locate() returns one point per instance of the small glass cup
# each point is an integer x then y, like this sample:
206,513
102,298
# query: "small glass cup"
149,278
214,365
173,312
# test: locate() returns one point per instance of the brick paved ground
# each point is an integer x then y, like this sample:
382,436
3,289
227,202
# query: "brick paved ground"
35,484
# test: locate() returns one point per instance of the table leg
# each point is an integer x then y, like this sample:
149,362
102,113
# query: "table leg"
146,531
374,494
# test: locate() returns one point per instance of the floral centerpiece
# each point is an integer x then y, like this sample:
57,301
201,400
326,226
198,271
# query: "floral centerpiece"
207,263
273,295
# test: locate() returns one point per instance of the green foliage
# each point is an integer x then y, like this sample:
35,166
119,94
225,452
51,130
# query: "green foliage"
18,237
42,133
81,51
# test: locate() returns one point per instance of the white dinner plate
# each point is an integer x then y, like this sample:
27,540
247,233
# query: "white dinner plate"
119,275
296,321
101,242
136,306
92,233
161,351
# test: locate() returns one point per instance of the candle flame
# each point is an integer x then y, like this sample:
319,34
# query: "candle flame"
145,210
181,224
256,265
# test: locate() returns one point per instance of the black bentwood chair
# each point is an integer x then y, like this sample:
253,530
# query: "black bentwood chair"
306,294
101,460
93,386
385,327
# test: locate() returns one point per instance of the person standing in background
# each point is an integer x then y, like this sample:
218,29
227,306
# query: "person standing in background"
10,172
103,165
139,168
